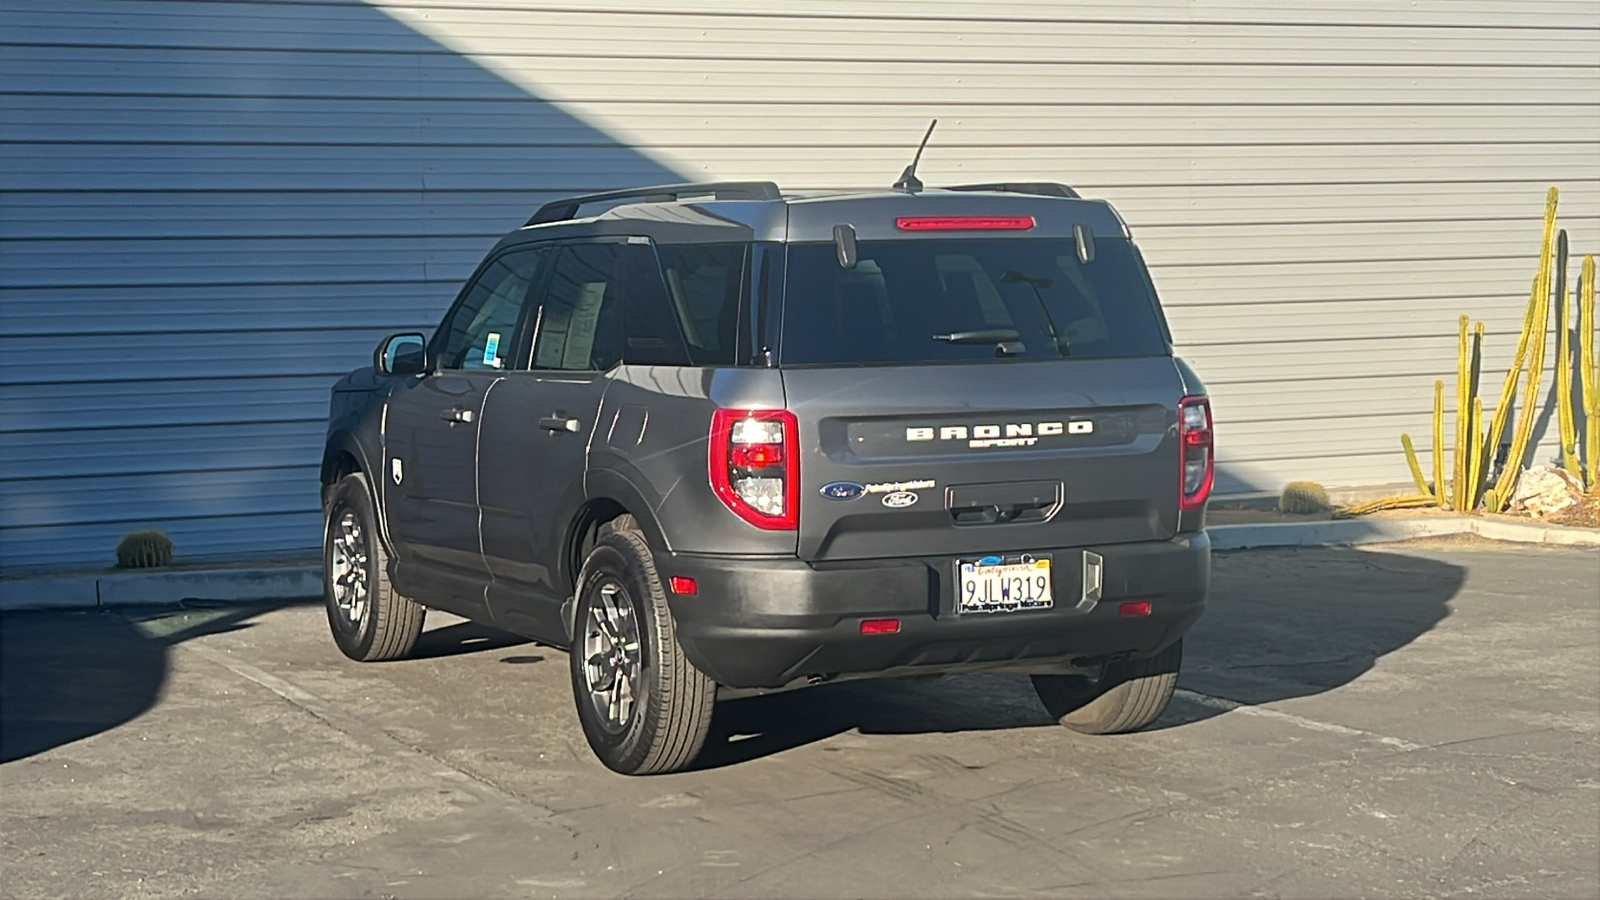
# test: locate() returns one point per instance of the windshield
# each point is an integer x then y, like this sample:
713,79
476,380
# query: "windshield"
924,301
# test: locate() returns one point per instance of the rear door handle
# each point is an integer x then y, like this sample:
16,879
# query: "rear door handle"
456,415
559,423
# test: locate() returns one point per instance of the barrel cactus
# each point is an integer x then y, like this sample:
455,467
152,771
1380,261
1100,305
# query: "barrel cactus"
1303,497
148,549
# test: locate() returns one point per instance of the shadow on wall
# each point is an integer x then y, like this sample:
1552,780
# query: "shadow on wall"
221,207
1281,624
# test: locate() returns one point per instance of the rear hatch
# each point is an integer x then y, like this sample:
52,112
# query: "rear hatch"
978,394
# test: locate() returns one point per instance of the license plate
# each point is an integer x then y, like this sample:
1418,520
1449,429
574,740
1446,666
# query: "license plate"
1003,584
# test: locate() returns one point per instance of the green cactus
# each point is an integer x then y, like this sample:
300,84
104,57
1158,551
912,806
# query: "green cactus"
1508,391
148,549
1458,461
1303,497
1476,442
1536,345
1439,490
1416,468
1564,411
1589,372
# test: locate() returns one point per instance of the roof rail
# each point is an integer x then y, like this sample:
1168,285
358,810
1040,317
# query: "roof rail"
567,208
1041,188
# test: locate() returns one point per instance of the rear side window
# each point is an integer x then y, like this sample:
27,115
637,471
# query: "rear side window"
947,300
580,326
706,282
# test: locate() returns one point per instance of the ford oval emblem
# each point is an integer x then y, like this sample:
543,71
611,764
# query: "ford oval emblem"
843,490
899,499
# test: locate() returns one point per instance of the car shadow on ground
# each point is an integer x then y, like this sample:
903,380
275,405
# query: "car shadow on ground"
463,637
1281,623
65,676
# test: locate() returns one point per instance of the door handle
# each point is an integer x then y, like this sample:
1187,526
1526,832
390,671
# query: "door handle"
456,415
559,423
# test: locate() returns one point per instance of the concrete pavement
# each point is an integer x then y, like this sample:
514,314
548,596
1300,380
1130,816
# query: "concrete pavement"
1400,722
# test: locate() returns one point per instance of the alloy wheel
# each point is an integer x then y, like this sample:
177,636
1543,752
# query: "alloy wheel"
347,575
611,654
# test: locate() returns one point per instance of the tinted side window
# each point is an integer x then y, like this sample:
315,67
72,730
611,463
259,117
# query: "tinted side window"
579,326
651,328
481,330
924,301
706,282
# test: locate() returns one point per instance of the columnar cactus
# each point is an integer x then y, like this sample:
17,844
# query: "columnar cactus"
1589,370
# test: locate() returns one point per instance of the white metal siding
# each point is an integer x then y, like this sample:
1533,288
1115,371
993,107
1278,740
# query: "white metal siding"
211,209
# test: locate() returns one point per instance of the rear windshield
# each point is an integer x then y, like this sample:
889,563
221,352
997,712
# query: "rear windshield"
945,300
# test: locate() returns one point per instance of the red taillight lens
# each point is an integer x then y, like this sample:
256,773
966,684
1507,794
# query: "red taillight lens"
754,468
1196,452
964,223
755,456
880,626
683,585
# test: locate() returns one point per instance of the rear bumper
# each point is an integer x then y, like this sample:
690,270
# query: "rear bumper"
767,622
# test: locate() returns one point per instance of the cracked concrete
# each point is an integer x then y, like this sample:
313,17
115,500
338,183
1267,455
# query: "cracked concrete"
1405,722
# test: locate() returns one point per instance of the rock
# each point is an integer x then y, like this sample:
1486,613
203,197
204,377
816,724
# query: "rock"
1545,490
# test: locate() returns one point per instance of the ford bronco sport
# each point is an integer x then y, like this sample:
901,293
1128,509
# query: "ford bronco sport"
718,437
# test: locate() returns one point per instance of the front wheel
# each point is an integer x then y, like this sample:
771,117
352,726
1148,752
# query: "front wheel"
644,707
369,620
1127,696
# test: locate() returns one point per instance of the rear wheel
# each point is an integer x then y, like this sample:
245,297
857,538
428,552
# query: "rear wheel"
368,619
644,708
1127,696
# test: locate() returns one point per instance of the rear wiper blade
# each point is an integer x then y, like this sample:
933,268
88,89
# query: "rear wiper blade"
983,336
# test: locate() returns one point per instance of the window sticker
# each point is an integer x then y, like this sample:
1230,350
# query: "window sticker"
491,350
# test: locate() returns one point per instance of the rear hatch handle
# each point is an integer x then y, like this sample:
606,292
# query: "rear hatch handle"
1003,503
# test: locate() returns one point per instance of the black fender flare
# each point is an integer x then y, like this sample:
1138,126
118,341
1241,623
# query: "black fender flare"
343,442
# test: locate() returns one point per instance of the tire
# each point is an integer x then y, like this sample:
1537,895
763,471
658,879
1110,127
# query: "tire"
1126,697
644,708
369,620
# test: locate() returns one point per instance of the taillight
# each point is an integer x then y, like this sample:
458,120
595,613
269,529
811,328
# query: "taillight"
1196,451
964,223
755,469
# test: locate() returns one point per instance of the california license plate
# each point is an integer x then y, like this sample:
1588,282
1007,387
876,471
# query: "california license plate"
1003,584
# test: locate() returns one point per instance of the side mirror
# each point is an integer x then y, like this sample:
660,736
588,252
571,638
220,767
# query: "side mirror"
1083,236
401,354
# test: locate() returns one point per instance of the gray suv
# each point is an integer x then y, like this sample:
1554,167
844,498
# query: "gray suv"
717,439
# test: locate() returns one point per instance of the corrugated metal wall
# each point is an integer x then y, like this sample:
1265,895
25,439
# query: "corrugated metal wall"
210,209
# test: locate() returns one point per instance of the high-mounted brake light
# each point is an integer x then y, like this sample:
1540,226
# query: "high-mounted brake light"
964,223
754,468
1196,452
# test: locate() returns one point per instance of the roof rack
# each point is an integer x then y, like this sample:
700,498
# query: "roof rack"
1040,188
567,208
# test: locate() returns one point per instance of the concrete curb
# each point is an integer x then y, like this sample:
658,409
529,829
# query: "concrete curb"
237,584
103,589
1380,531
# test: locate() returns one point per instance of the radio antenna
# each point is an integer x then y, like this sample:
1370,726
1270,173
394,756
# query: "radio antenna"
909,182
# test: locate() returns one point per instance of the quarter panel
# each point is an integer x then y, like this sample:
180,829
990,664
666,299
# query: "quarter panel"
663,453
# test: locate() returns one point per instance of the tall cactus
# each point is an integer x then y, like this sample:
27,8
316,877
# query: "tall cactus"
1477,441
1589,373
1564,412
1530,395
1458,456
1530,347
1439,490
